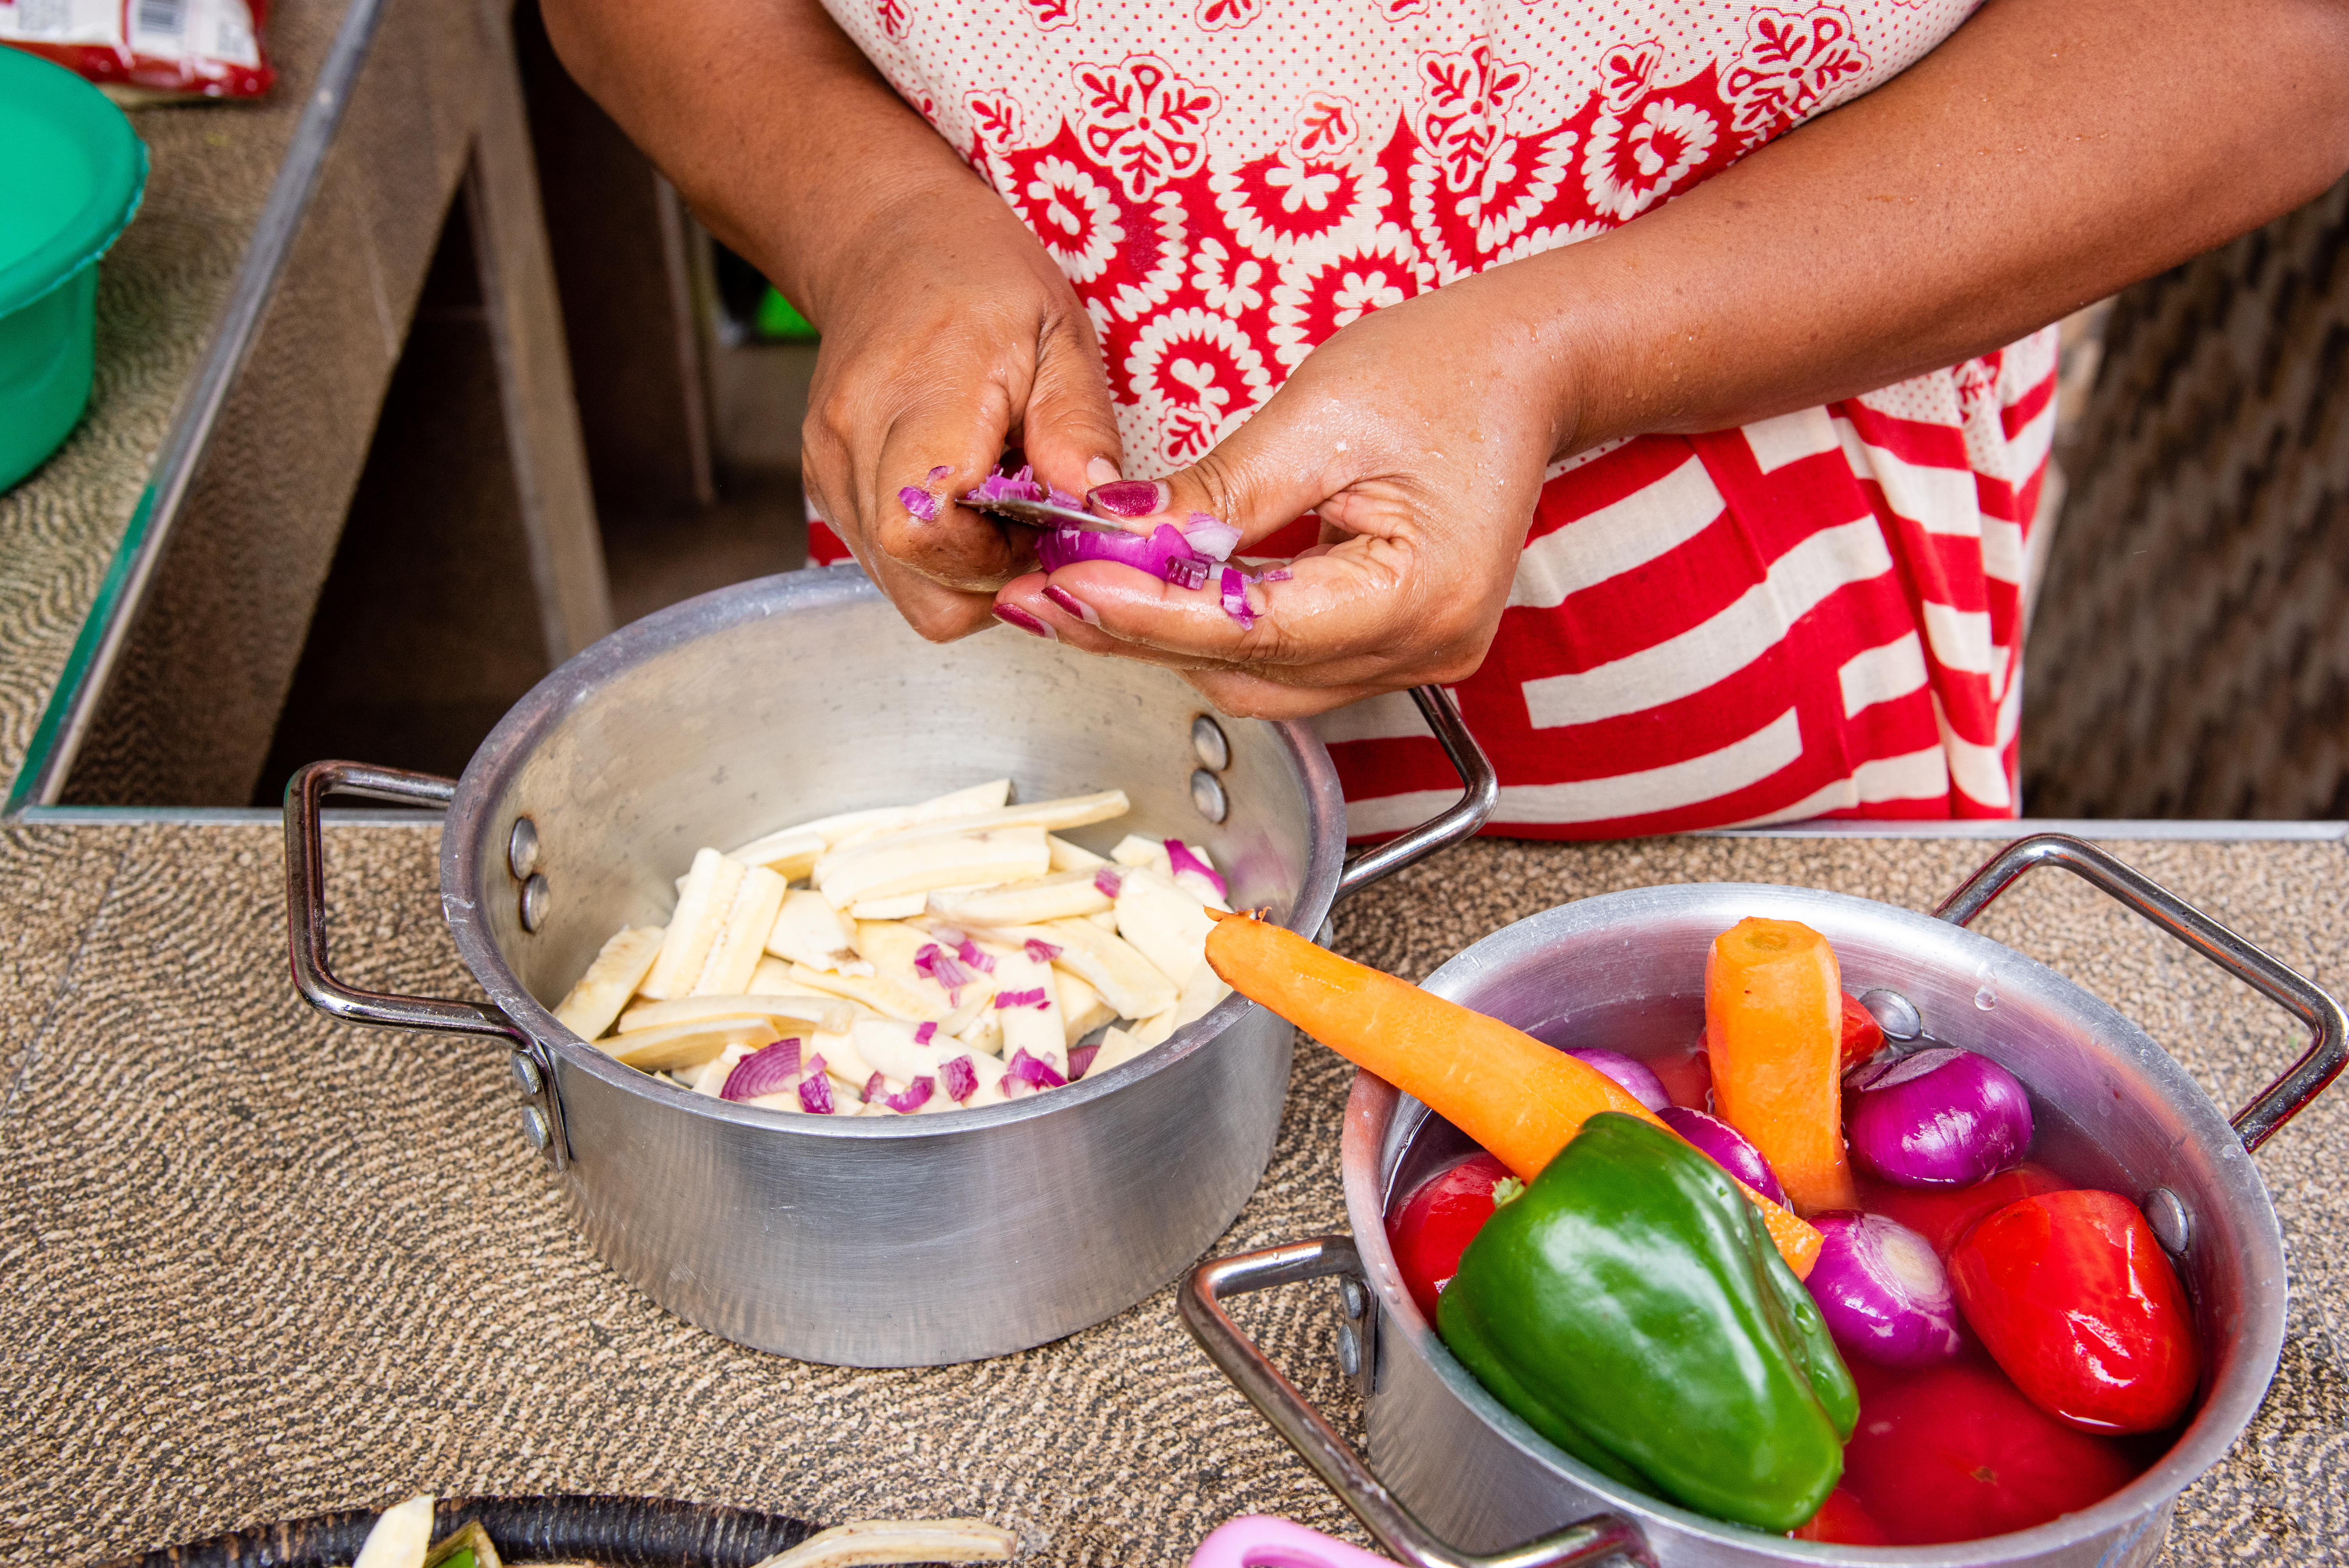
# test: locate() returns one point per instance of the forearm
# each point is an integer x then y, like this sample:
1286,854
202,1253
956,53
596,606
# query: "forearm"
2048,153
780,136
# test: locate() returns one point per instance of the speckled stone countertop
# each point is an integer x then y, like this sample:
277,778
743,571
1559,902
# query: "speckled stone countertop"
159,291
255,1265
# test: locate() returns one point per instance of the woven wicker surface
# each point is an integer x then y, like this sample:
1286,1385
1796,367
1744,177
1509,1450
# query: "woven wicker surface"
2191,654
255,1265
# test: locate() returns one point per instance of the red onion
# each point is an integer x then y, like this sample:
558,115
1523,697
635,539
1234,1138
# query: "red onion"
926,1034
1001,486
918,501
1032,998
916,1096
1638,1080
1278,574
1039,951
1725,1146
1107,882
971,953
1081,1059
1162,552
1938,1118
1211,536
1029,1070
1883,1292
875,1087
815,1090
936,474
960,1077
941,966
763,1071
1180,857
1235,596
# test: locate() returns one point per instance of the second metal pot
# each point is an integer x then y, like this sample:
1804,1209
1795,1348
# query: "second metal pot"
1461,1480
882,1241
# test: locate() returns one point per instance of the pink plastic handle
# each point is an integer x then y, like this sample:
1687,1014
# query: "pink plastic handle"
1259,1541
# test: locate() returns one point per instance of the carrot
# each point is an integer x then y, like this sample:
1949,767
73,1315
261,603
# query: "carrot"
1520,1098
1774,1023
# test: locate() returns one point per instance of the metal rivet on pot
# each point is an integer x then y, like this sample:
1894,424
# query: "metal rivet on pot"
2166,1214
1894,1013
1209,745
521,848
526,1074
1208,795
535,1129
1350,1350
1351,1300
535,897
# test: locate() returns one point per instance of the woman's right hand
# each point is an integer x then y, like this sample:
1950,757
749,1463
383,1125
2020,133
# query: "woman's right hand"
948,336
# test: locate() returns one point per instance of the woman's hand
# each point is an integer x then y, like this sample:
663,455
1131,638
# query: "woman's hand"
948,332
951,337
1419,434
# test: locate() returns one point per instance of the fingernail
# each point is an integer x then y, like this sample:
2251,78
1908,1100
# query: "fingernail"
1013,615
1130,498
1071,604
1102,471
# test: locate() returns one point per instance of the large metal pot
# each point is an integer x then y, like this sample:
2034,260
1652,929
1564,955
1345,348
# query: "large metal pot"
884,1241
1463,1478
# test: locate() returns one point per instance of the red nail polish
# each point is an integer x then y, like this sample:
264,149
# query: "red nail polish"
1129,498
1013,615
1071,604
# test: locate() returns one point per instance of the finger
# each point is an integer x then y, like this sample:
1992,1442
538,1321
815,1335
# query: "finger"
1068,428
1245,695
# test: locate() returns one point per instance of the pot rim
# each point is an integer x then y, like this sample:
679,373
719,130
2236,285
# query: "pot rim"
2225,1411
464,849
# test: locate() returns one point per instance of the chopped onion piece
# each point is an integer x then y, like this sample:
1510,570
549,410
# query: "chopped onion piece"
943,967
1043,952
1274,574
1080,1058
1001,486
971,953
815,1090
1235,596
926,1034
1035,999
918,501
916,1096
1108,881
961,1079
1183,858
876,1088
1211,536
937,474
1034,1073
763,1071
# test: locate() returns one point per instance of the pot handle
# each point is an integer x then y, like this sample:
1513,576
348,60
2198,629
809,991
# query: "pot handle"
2328,1047
1481,792
1309,1432
306,904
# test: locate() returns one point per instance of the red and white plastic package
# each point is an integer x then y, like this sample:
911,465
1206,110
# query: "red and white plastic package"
165,48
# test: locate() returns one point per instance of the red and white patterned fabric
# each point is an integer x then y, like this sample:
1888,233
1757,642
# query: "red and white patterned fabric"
1816,615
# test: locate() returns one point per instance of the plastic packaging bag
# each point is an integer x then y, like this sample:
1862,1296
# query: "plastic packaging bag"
149,48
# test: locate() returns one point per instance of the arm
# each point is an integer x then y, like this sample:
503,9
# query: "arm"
948,332
2049,152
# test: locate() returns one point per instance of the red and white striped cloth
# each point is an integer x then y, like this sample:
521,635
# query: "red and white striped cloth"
1816,615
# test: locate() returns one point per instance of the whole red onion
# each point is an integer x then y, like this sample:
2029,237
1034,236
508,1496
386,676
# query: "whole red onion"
1725,1146
1634,1076
1938,1118
1883,1291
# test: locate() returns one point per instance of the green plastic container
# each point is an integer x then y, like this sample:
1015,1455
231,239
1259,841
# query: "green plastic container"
70,177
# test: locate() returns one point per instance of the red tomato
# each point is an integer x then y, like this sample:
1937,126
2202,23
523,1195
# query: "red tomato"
1841,1518
1958,1453
1436,1223
2077,1303
1942,1215
1687,1078
1863,1036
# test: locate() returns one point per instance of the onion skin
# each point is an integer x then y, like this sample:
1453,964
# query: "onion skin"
1883,1292
1725,1146
1939,1118
1638,1081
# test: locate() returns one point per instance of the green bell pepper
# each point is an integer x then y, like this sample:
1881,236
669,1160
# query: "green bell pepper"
1631,1308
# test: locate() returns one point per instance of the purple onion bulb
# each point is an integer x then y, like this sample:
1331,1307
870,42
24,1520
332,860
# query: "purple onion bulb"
1725,1146
1939,1118
1634,1077
1883,1292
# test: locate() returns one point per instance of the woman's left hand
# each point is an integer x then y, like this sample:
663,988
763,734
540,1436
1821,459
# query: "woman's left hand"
1419,434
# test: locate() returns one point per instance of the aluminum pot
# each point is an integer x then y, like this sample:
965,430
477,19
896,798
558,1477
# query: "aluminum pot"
876,1242
1461,1480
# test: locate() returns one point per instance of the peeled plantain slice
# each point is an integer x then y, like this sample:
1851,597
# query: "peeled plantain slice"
900,1541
